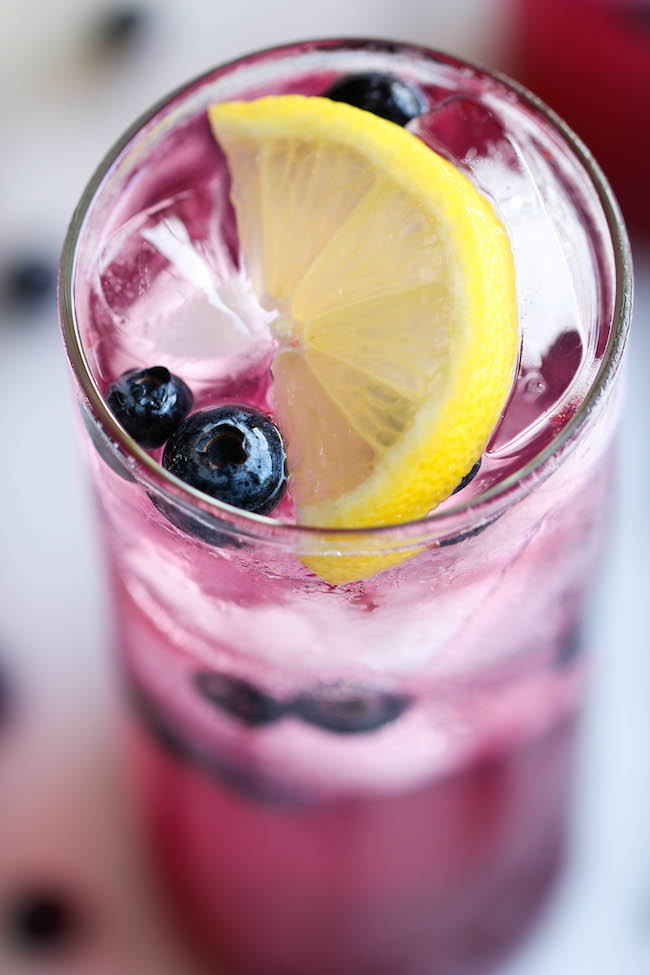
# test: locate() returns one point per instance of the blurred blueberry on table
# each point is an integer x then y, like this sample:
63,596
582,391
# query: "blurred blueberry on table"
40,921
4,697
380,94
118,29
27,281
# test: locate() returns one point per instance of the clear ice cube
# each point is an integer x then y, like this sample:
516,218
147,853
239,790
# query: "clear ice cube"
517,179
180,299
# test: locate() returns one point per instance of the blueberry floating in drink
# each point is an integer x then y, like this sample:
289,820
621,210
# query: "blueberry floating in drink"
232,453
149,403
238,698
381,94
348,709
183,746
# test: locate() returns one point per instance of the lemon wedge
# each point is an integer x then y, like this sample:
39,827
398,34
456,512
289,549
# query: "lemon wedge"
393,282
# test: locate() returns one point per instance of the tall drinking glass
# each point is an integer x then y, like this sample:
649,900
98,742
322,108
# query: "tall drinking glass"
369,778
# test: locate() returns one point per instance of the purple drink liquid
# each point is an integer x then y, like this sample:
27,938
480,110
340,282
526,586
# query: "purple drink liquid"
367,778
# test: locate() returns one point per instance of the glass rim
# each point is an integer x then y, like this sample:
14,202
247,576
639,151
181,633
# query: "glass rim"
484,507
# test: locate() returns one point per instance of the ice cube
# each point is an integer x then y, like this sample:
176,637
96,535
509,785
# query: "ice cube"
464,130
181,300
514,175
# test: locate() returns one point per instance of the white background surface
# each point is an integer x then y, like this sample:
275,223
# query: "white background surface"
63,815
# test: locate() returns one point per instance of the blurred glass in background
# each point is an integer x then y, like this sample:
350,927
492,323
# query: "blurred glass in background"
590,61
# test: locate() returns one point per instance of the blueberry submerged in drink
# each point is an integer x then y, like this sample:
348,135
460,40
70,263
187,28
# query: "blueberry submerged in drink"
382,94
376,521
348,710
232,453
238,698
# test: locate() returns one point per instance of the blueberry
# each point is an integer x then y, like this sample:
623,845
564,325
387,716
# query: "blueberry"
118,29
40,921
149,403
380,94
232,453
468,477
28,281
348,709
185,747
238,698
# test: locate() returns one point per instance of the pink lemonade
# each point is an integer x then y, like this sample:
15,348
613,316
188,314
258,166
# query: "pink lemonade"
368,778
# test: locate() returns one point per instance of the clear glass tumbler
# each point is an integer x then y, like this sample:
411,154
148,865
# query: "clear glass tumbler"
371,778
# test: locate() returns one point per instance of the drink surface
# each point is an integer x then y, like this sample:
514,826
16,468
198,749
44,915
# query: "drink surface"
334,766
168,285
